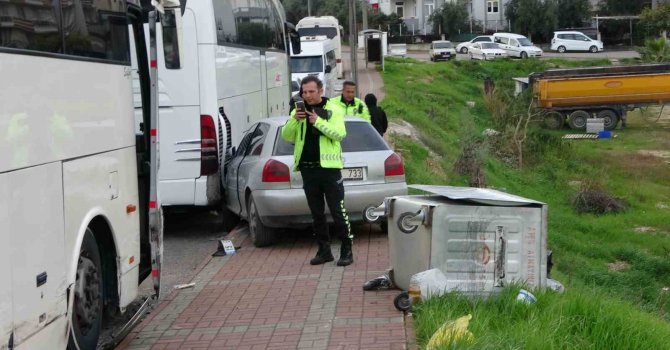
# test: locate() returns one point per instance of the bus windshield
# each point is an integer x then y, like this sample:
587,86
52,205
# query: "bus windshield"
308,64
330,32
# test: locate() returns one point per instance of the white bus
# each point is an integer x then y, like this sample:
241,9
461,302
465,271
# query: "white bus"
231,70
71,199
328,26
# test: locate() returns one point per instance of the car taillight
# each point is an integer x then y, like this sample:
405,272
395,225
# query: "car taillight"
276,171
339,60
209,157
393,166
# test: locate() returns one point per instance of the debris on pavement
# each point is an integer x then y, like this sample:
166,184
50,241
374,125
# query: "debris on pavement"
184,286
378,283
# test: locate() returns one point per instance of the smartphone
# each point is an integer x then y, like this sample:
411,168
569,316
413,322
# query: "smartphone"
300,105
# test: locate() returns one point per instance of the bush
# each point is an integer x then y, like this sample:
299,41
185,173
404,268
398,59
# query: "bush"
593,199
655,50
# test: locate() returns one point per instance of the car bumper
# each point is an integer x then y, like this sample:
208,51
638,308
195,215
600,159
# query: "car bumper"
281,208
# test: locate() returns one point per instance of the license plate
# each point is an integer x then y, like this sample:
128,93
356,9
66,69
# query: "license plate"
352,174
446,54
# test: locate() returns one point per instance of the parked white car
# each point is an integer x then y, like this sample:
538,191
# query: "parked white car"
464,47
517,45
574,41
441,50
486,51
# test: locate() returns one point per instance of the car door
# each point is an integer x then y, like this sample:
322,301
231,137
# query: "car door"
246,161
582,42
515,48
233,183
504,44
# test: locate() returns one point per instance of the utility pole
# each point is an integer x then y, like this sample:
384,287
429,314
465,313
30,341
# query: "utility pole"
353,36
364,11
309,8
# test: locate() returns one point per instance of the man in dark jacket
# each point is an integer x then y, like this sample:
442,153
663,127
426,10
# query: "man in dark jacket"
377,114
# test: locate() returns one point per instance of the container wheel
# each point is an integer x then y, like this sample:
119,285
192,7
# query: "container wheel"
554,120
577,119
610,117
402,302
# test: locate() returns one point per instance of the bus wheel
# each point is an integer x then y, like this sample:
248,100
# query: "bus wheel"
86,315
610,118
577,119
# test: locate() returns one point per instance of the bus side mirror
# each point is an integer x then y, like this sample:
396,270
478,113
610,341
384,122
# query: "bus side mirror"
328,69
294,38
171,25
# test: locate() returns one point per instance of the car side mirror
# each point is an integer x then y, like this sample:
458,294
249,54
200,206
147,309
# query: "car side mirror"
233,151
328,69
294,38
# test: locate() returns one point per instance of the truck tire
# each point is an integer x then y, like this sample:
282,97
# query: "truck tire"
577,119
561,49
610,117
260,234
554,120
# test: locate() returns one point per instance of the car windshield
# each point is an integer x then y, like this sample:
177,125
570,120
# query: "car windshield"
489,45
525,42
361,137
330,32
309,64
443,45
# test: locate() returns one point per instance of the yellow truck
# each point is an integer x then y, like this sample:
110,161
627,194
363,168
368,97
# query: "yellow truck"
575,95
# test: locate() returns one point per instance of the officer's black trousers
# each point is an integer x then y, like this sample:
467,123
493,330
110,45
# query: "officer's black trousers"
319,183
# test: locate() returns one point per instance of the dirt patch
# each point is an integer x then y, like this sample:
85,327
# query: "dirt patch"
655,153
407,130
644,229
618,266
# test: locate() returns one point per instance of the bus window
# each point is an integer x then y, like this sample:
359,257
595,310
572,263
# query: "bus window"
96,29
170,40
329,32
16,36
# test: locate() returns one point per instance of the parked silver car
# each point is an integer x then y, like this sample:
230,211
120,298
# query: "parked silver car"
261,187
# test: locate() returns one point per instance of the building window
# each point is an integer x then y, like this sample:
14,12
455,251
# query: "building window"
400,9
492,6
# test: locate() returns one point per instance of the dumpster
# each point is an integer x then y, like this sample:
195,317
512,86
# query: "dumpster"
481,239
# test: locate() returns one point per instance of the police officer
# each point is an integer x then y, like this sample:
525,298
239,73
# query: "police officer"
352,105
316,129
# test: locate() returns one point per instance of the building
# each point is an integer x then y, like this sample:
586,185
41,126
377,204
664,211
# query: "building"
485,14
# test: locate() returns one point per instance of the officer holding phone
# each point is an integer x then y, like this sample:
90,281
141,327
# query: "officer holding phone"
316,128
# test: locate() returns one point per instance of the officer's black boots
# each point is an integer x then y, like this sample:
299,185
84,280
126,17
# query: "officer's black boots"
323,255
346,256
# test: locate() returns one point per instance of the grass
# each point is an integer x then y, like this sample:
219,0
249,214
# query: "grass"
614,266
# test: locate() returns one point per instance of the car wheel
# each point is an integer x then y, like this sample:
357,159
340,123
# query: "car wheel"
402,302
261,235
610,117
554,120
561,49
524,55
577,119
593,49
87,307
464,50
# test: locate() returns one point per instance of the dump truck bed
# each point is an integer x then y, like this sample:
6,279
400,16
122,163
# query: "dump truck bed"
620,85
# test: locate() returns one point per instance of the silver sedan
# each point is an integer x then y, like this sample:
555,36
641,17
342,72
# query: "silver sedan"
262,188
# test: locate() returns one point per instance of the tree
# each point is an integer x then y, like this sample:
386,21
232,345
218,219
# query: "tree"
390,23
535,18
655,22
622,7
573,13
451,18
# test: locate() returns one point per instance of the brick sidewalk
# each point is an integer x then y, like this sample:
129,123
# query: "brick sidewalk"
271,298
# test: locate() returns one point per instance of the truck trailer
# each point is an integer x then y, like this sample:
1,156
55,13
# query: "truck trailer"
575,95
